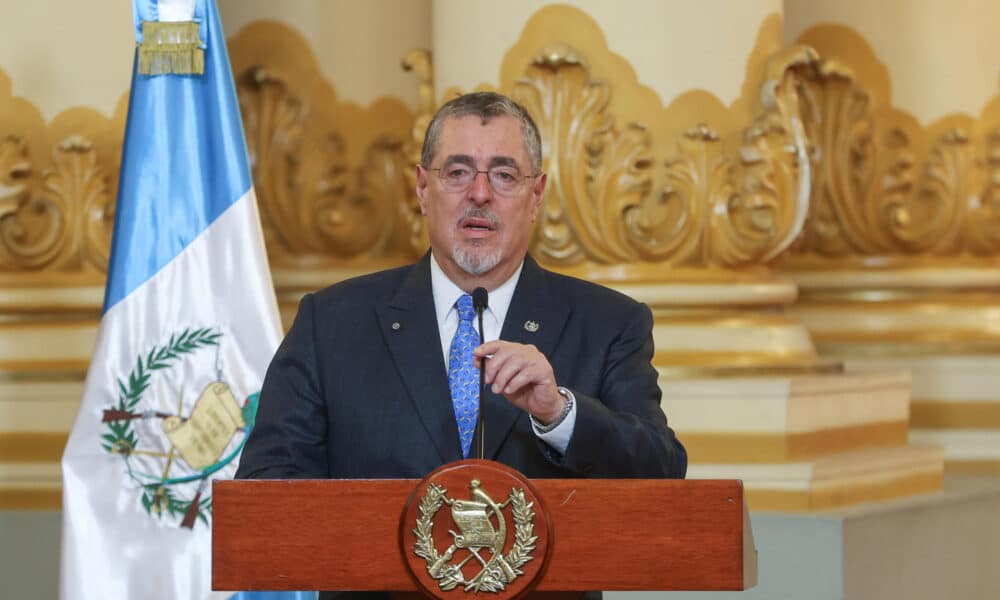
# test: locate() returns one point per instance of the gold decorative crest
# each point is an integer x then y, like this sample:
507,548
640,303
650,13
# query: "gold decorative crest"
474,519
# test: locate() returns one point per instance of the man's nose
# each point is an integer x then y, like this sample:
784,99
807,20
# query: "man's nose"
481,191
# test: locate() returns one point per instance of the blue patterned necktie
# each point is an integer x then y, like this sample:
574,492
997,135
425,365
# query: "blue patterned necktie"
463,377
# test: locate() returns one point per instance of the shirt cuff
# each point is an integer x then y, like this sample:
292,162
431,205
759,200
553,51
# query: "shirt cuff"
558,437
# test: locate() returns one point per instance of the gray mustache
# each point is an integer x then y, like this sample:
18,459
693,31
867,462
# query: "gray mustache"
480,213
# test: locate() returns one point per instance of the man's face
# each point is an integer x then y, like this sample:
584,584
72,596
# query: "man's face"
477,231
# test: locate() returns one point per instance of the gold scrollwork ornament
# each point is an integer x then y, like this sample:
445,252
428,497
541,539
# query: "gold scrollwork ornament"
476,532
65,225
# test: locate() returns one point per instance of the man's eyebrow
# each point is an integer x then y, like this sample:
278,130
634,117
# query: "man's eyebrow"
495,161
461,159
503,161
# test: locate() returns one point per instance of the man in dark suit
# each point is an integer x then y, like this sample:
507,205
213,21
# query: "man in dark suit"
375,377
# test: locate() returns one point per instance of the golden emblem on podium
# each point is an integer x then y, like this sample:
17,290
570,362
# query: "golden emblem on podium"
482,536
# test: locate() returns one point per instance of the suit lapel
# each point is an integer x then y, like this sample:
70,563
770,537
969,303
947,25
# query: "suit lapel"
535,316
409,326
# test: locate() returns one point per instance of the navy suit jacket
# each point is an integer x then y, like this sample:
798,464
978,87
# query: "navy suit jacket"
359,387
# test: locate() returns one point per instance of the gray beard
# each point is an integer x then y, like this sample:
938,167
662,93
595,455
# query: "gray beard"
474,261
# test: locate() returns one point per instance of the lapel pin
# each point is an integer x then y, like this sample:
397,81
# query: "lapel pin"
531,326
396,326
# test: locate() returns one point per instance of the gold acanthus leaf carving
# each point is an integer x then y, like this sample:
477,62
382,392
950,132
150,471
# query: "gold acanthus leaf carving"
869,195
714,209
67,224
595,174
312,201
955,208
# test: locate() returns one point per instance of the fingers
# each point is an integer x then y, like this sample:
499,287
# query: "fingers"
510,367
509,372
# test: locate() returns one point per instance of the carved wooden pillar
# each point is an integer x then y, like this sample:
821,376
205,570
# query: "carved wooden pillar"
898,264
685,208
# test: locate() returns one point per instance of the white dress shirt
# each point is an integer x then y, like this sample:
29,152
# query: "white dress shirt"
446,293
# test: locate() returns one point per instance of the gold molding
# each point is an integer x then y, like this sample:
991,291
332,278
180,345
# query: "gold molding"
32,446
742,448
927,413
972,467
833,496
747,365
30,499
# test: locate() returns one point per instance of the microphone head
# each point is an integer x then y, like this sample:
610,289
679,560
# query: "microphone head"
480,299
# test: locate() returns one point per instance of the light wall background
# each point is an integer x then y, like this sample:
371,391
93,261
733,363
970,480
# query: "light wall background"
941,57
659,38
64,54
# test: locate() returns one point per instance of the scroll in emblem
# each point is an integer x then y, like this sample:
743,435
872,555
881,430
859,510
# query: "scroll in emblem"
481,536
203,437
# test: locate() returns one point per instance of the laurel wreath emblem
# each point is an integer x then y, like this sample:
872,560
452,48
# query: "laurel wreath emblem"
120,438
492,579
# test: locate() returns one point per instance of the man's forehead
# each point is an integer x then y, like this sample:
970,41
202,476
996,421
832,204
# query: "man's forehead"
499,138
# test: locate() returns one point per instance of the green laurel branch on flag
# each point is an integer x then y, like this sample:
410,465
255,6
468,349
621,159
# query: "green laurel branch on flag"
120,437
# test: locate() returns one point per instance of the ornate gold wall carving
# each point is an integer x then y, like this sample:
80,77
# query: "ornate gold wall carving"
334,180
884,185
664,189
57,188
331,177
713,210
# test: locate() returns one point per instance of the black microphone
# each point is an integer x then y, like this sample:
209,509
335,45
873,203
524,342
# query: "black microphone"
480,300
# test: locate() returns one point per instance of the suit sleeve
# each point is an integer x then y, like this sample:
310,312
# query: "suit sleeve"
624,432
288,439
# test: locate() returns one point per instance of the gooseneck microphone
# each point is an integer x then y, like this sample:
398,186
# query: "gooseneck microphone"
480,300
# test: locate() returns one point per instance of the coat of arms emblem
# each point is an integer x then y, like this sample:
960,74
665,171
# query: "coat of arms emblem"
480,541
172,446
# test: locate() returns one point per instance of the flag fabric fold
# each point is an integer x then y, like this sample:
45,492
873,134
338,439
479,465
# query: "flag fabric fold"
188,327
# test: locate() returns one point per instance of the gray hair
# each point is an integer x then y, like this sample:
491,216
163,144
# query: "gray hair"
484,105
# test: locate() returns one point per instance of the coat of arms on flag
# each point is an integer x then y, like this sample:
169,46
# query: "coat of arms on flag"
169,446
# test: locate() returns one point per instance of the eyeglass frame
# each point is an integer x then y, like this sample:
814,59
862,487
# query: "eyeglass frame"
488,180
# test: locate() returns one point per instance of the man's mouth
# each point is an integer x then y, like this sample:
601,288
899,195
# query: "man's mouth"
477,224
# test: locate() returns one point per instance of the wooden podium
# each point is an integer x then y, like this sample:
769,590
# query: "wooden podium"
592,534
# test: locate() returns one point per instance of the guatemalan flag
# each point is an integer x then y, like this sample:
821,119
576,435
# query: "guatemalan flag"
188,327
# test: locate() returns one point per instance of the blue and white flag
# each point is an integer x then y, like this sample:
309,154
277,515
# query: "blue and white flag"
189,325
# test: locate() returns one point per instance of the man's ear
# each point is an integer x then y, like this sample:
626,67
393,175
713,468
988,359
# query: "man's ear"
422,188
537,191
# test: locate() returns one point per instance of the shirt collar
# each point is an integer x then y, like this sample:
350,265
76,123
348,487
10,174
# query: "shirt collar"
446,293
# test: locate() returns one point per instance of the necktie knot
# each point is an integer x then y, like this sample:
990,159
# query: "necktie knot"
465,310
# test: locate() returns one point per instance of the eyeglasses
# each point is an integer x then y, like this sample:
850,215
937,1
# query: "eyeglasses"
503,179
